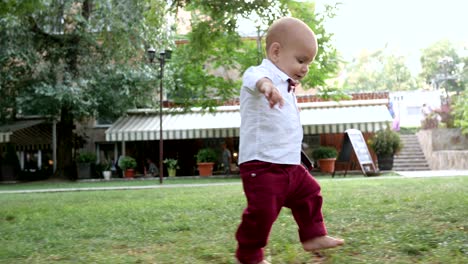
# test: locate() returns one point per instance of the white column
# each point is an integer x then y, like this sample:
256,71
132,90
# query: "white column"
123,148
21,159
98,154
116,151
39,159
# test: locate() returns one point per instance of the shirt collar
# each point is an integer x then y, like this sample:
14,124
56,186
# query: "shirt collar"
269,65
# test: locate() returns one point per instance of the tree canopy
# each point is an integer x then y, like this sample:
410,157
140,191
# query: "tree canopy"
380,70
439,61
215,45
74,59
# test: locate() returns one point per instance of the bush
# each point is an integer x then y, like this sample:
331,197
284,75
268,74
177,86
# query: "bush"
324,152
127,162
461,112
206,155
171,163
86,157
385,142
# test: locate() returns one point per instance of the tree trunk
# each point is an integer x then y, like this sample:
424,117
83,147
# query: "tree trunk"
65,165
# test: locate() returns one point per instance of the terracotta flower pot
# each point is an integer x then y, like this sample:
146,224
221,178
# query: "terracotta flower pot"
129,173
327,165
205,168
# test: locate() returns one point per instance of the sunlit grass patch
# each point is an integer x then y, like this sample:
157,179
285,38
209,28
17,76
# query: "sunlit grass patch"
383,221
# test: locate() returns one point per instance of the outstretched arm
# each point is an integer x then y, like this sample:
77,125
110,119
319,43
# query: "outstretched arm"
266,87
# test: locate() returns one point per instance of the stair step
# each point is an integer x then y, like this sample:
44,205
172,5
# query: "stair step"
411,157
411,169
410,144
395,166
419,163
409,161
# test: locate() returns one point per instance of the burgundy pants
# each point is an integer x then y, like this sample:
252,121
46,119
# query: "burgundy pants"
268,187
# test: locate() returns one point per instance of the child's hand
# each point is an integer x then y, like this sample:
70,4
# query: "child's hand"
266,87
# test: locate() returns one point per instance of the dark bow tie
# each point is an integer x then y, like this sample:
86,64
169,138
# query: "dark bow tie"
292,85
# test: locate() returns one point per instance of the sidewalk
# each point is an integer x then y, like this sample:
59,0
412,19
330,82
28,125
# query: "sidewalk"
433,173
404,174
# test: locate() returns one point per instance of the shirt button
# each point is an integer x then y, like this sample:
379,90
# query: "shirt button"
253,175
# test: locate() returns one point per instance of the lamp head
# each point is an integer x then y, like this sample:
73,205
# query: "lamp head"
151,54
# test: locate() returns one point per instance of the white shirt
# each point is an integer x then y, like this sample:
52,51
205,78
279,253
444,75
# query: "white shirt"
268,134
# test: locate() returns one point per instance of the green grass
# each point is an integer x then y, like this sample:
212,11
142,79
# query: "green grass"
114,183
119,182
383,221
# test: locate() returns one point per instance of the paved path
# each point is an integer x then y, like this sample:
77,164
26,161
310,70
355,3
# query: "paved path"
404,174
433,173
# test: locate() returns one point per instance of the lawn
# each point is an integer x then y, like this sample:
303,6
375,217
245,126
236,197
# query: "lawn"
391,220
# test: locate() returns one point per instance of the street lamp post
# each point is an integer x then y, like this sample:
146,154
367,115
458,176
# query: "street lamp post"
163,56
445,74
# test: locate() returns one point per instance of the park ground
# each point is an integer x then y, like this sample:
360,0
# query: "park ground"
387,219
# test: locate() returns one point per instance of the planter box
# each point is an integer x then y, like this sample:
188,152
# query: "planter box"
84,170
7,173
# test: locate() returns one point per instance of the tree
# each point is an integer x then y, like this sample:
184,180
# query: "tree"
214,43
70,60
380,70
326,62
461,112
445,68
440,74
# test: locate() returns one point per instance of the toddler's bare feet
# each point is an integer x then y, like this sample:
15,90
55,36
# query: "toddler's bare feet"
322,242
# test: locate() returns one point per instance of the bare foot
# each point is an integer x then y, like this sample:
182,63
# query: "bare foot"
322,242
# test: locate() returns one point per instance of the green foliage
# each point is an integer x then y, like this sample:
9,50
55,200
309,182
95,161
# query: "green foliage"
333,93
214,46
105,166
460,111
86,157
171,163
430,57
326,62
324,152
95,66
381,70
385,142
127,162
206,155
77,59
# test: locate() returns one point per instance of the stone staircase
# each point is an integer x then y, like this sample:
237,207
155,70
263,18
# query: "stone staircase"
411,157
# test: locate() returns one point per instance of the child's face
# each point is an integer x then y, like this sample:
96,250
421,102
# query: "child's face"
294,59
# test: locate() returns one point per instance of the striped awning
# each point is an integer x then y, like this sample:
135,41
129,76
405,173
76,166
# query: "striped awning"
324,118
34,133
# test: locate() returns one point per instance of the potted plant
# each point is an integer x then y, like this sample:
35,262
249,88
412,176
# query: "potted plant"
171,167
385,144
106,172
9,164
325,157
128,165
84,161
206,159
